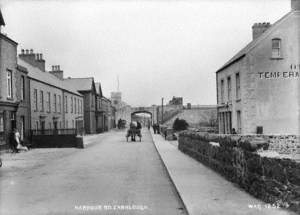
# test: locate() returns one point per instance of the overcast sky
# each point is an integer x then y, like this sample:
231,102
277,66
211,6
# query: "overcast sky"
157,48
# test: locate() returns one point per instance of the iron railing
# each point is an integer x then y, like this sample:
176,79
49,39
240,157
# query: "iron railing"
54,132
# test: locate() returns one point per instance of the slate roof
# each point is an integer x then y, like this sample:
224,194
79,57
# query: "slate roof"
242,53
47,78
1,19
81,84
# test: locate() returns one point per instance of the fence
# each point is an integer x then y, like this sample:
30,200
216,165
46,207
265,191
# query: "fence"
54,132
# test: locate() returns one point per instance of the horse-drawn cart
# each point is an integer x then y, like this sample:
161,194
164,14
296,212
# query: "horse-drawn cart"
132,133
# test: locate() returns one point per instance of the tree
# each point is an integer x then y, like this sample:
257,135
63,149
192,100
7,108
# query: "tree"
180,124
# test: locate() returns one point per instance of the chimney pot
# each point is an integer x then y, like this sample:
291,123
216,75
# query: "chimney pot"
41,56
295,4
22,51
259,28
31,51
27,51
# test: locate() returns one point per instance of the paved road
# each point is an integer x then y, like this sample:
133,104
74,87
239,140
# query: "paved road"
110,176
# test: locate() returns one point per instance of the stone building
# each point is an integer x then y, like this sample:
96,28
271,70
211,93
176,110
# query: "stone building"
54,104
176,101
100,111
258,89
86,87
23,95
13,98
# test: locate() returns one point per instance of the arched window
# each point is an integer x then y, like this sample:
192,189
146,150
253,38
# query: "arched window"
276,48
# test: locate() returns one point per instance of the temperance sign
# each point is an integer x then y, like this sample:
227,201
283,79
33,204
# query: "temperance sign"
294,72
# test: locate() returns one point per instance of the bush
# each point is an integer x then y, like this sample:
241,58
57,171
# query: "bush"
180,125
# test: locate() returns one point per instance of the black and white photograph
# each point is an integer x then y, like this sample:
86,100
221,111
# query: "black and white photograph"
150,107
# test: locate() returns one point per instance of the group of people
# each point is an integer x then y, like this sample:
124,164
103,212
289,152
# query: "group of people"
16,143
156,128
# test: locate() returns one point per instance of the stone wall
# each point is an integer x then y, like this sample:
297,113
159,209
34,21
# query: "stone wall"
56,141
237,158
285,144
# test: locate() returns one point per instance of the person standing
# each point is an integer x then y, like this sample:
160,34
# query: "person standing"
17,137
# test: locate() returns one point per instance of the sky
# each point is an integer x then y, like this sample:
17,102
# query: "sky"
157,48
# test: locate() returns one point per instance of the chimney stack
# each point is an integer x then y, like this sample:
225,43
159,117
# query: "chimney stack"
295,4
33,59
57,72
259,28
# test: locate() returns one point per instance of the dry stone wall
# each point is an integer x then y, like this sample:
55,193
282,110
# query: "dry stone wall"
274,180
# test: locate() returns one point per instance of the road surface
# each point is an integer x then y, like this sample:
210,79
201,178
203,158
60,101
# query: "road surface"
110,176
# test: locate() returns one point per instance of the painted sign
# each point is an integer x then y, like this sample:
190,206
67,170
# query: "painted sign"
294,72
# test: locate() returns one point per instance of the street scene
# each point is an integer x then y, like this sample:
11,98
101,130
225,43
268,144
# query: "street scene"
109,172
150,107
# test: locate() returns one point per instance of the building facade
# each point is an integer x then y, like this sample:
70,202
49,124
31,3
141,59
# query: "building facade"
54,104
100,111
176,101
12,105
86,87
258,89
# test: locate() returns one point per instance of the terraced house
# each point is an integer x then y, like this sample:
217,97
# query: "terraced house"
258,89
54,104
13,97
86,87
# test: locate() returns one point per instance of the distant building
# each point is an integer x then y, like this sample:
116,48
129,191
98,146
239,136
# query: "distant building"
176,101
258,89
116,99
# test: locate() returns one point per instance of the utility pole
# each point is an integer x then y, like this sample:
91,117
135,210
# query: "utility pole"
162,110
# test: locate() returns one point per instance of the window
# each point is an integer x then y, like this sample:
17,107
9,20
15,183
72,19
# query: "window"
75,104
42,100
48,102
239,122
222,91
238,85
71,104
66,126
93,102
35,100
59,103
22,127
229,89
54,103
37,125
9,84
1,123
22,87
276,45
66,104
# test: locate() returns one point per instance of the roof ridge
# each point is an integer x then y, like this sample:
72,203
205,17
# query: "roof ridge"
79,78
253,43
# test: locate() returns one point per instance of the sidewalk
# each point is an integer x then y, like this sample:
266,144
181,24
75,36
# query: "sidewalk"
205,192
